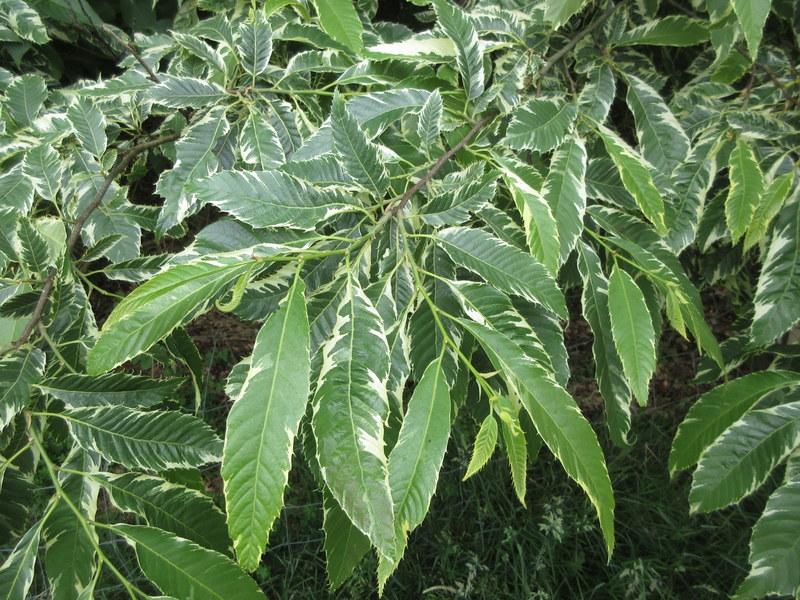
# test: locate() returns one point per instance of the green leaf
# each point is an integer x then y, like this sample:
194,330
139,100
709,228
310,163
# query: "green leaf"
269,198
43,166
360,158
674,30
33,254
752,15
747,186
110,389
598,94
540,125
718,409
558,12
344,544
259,143
255,46
340,20
454,206
148,440
775,547
758,125
350,408
502,265
742,458
633,332
24,98
662,140
154,309
469,56
181,92
565,191
430,121
767,208
558,420
183,569
17,372
262,424
483,448
16,574
183,511
608,366
89,125
778,292
70,558
25,21
635,177
517,453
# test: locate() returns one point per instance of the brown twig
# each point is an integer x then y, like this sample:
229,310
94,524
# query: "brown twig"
574,42
150,73
773,77
439,164
74,235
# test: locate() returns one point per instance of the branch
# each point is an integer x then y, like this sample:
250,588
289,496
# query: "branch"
150,74
771,74
439,164
574,42
74,236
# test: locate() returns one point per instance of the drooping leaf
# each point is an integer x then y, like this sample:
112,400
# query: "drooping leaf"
517,453
741,459
262,424
181,92
154,309
774,547
182,569
778,291
360,158
674,30
350,408
557,419
109,389
181,510
635,177
18,371
345,545
255,46
752,15
269,198
484,445
770,205
502,265
540,125
633,333
747,186
148,440
469,57
16,573
24,98
608,366
662,141
89,124
340,20
565,191
430,120
718,409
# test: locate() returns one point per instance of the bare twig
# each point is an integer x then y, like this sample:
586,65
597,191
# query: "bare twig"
790,99
574,42
150,73
74,235
439,164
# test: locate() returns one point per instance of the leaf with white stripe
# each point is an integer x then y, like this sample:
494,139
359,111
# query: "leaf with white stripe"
351,406
597,95
662,140
262,425
183,569
778,292
636,178
540,125
452,207
775,547
430,121
24,98
674,30
565,191
502,265
769,206
42,165
16,574
559,12
89,125
747,186
752,15
259,143
147,440
255,46
33,254
360,157
720,408
469,56
18,371
340,20
181,92
632,328
742,458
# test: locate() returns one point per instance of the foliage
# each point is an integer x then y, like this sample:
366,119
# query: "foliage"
401,213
